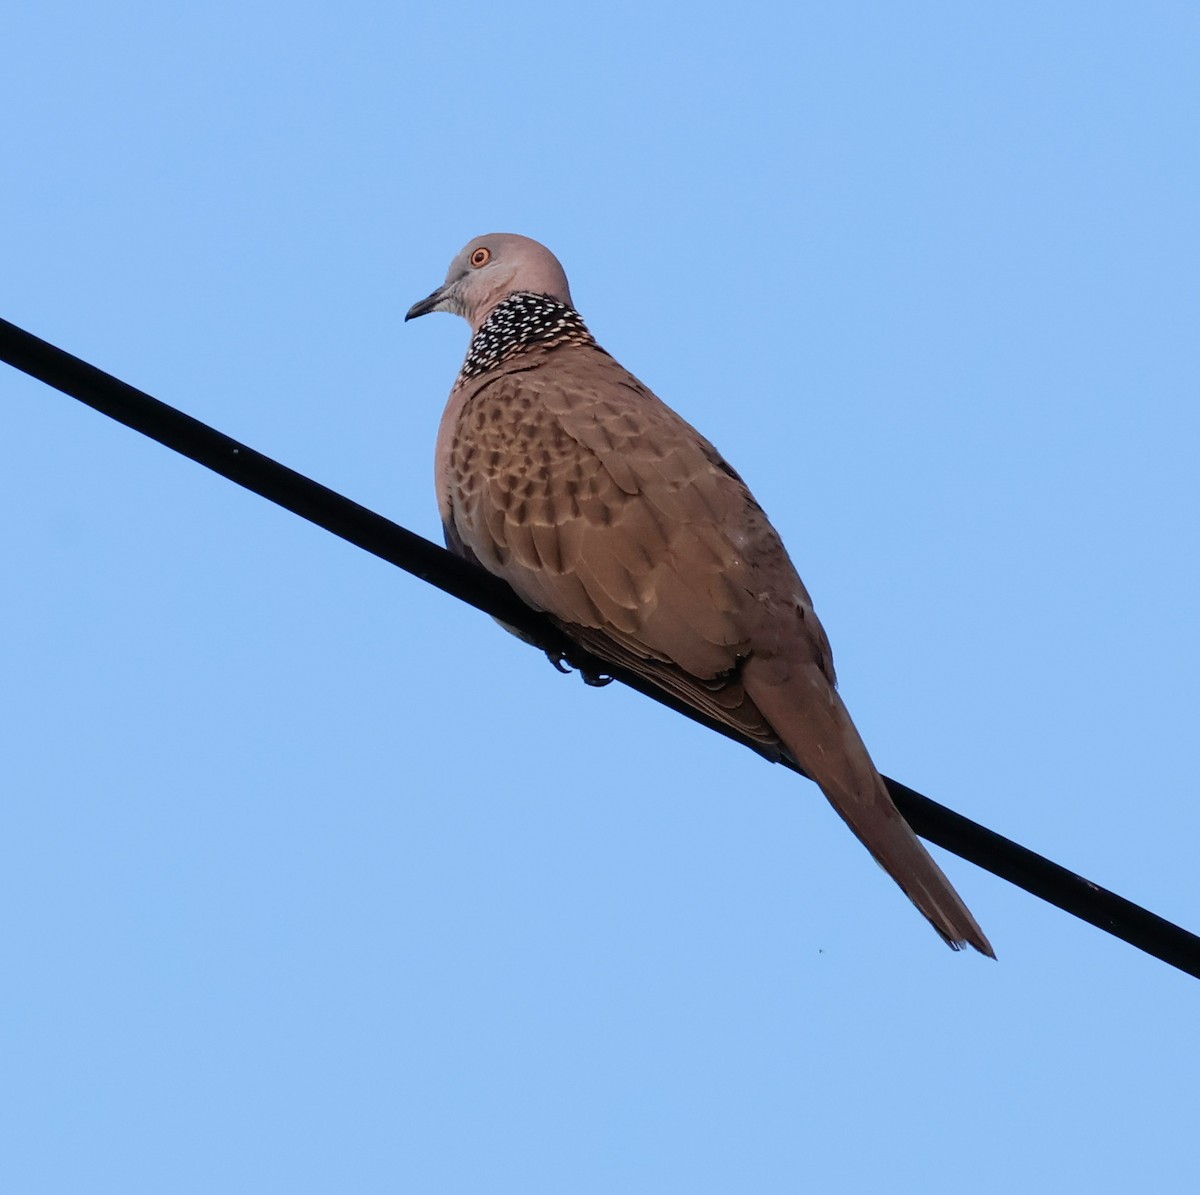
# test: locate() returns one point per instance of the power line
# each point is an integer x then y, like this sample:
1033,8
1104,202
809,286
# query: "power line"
469,583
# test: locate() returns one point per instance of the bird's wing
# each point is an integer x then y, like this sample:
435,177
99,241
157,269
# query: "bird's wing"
603,507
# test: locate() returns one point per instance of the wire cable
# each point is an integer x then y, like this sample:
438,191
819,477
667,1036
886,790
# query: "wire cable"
469,583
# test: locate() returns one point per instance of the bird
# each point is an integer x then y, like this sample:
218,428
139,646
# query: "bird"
560,472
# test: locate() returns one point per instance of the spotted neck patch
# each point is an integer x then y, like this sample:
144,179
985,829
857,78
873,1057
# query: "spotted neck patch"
520,321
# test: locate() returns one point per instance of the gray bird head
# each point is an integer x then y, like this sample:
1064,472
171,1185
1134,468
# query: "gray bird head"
490,269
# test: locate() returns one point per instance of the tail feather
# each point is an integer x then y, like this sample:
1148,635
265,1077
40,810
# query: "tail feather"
808,715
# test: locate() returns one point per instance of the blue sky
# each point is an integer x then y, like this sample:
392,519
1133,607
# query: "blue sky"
313,880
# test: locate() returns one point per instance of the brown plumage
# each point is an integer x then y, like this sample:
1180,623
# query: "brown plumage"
560,472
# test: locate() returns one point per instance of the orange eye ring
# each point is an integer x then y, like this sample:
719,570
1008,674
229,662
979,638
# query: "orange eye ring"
481,257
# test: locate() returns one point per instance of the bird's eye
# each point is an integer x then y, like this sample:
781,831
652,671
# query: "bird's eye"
481,257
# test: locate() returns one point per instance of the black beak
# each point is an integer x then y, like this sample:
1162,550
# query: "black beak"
425,306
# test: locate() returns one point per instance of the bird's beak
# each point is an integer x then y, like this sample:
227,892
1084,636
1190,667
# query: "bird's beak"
435,302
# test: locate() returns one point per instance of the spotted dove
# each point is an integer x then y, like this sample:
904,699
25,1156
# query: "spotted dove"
560,472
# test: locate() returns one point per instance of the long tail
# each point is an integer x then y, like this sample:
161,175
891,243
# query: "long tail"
808,715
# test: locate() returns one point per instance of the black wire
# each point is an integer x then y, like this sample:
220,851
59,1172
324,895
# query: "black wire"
390,542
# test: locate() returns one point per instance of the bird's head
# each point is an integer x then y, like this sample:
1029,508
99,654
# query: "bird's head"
488,270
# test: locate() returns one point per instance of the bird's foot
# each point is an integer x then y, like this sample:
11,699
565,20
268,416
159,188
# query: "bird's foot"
564,664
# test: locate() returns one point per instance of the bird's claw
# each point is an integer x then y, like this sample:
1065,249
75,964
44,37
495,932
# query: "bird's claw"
564,664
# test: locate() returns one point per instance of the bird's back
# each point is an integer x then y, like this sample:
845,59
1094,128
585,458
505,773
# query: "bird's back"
603,507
